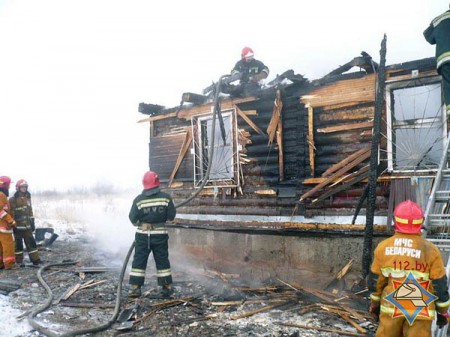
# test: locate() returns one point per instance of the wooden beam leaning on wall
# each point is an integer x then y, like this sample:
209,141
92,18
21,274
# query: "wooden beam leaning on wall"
339,173
184,148
311,145
276,117
249,121
275,128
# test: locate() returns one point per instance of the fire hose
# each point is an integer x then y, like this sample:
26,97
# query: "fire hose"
47,304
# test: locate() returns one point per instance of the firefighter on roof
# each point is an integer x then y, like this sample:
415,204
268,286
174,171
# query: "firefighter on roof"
149,212
7,223
407,280
22,212
251,73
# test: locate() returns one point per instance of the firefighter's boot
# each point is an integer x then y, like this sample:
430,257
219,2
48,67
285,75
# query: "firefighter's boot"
167,291
135,291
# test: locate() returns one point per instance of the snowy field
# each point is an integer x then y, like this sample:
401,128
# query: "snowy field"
103,218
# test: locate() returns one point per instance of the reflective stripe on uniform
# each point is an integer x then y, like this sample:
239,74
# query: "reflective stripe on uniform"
443,58
9,258
137,272
375,298
398,273
442,304
152,232
152,202
5,230
390,311
163,272
19,253
441,18
3,214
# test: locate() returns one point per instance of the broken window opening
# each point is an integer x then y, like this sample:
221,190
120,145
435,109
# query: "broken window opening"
225,163
416,125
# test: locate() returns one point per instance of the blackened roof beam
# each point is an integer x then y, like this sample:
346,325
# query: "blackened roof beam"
150,109
364,62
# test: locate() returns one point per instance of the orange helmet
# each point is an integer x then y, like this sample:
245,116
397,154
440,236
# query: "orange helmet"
408,217
247,52
20,183
150,180
5,182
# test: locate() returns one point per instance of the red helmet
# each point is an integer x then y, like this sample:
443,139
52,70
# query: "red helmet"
150,180
5,182
408,217
247,52
20,183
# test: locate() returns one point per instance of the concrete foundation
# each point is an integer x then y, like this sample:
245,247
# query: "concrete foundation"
310,260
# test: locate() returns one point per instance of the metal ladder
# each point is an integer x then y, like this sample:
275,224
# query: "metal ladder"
437,217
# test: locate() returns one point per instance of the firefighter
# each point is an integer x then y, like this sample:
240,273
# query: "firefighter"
7,223
251,72
149,212
438,33
407,279
22,212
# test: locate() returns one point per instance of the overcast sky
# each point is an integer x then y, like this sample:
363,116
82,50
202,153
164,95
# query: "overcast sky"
72,73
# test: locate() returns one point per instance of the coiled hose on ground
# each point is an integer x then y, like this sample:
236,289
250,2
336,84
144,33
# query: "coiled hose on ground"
115,314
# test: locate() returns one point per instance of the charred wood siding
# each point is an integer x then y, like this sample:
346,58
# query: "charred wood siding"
164,148
295,132
343,111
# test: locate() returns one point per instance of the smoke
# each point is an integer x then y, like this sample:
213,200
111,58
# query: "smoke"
100,219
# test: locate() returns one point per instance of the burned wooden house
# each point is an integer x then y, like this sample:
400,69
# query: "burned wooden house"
295,155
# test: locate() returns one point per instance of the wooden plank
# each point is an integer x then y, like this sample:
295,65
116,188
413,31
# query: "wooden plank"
276,116
361,175
280,149
184,148
358,90
257,311
344,162
340,172
249,121
311,140
346,127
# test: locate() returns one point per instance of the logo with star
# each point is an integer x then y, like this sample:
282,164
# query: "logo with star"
411,298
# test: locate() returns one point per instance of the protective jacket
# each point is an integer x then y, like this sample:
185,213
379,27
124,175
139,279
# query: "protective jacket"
249,69
7,258
438,33
21,210
408,255
152,206
5,218
149,212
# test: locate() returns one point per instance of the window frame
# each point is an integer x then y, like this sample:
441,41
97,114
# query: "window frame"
391,86
199,151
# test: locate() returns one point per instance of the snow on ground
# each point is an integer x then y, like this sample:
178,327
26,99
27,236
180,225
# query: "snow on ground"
101,218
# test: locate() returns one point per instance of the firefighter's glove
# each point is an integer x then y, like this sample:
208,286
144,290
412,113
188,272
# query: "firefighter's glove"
11,225
374,311
442,319
258,77
32,225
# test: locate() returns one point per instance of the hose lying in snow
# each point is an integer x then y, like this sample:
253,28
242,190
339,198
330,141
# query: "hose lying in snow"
113,318
49,301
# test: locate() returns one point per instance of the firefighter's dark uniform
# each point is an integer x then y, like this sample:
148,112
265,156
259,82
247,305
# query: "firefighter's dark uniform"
149,212
394,259
251,72
22,212
438,33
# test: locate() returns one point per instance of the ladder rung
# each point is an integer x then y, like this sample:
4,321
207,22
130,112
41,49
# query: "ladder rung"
439,215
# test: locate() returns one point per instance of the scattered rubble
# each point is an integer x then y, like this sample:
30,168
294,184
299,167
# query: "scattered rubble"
204,303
